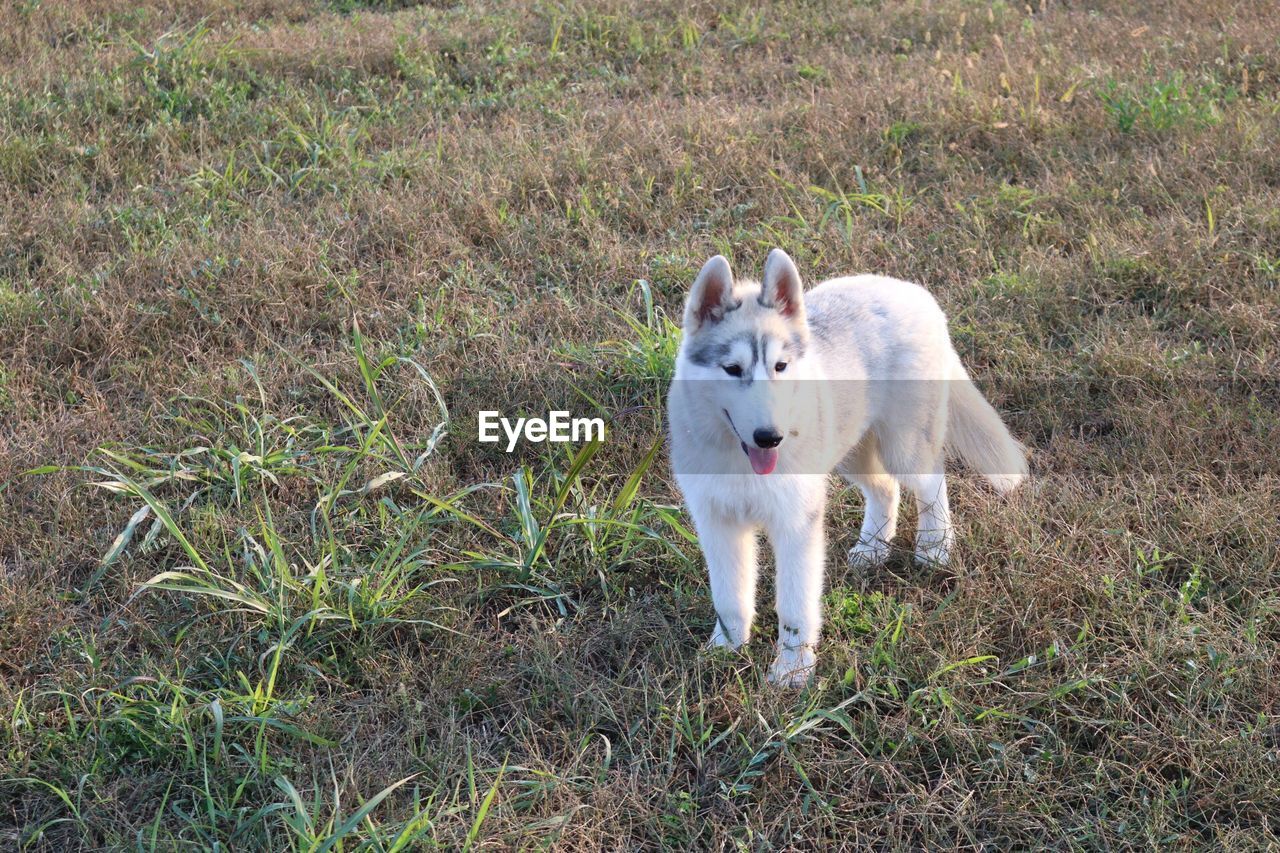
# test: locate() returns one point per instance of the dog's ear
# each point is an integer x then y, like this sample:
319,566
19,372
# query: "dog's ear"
712,294
782,288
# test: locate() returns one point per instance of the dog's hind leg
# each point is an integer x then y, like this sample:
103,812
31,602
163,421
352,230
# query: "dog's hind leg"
934,535
914,454
864,468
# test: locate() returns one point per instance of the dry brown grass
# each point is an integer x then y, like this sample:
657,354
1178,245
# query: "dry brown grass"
193,195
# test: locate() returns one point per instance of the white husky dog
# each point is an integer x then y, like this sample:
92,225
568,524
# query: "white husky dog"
775,388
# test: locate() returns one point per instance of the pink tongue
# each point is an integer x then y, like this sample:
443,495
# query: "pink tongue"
762,459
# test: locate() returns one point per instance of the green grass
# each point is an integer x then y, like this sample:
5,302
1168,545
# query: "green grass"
261,264
1161,105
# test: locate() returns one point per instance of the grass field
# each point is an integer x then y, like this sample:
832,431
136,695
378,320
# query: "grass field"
260,263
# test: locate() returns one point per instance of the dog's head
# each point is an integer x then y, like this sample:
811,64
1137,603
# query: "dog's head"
744,347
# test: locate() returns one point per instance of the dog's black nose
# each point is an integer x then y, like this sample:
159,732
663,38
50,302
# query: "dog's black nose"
767,437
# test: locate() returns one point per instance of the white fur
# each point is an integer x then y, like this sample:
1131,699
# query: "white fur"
857,341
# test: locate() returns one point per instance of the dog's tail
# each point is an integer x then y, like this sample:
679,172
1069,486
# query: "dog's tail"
975,431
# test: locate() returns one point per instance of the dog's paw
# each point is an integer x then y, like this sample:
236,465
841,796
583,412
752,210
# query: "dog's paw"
720,640
868,554
793,668
933,547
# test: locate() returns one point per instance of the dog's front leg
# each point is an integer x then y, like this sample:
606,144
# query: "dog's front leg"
800,552
730,550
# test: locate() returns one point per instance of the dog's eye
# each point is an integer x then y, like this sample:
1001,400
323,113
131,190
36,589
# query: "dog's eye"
733,369
779,367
